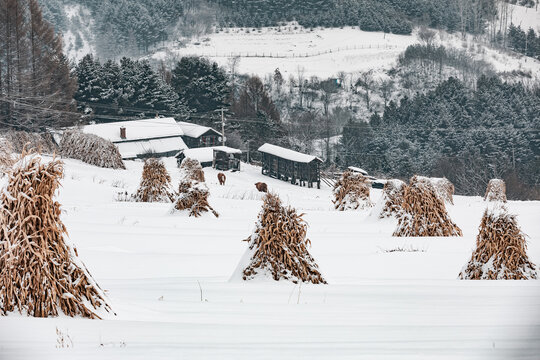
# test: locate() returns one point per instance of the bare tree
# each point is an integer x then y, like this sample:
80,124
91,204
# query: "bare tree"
366,81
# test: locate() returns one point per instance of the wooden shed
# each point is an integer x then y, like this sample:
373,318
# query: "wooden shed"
290,165
219,157
196,136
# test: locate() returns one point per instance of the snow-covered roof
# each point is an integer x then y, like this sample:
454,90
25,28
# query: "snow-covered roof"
132,149
136,129
358,170
287,153
194,130
206,154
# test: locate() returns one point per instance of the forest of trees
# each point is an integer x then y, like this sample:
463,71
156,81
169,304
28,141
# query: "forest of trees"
36,86
524,42
394,16
122,26
469,136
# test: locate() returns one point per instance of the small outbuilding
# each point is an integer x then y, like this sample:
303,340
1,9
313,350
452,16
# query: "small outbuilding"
157,137
197,136
219,157
290,165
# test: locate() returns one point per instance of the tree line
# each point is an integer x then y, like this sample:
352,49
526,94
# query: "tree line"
466,135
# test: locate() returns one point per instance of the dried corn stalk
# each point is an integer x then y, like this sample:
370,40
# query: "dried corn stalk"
6,156
155,183
351,192
192,170
443,188
21,140
392,198
496,190
91,149
279,245
40,275
501,249
424,213
192,191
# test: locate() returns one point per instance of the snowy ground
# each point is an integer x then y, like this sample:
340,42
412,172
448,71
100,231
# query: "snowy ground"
321,52
378,304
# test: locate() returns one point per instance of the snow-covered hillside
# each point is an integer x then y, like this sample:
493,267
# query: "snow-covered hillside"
78,39
321,52
381,303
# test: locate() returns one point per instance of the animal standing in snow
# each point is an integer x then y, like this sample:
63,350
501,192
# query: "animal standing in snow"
261,187
221,178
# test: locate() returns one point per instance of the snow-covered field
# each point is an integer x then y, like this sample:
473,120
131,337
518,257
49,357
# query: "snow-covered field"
379,304
321,52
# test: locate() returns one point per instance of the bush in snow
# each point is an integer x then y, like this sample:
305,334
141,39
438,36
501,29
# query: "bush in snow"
501,249
278,245
351,192
91,149
392,198
496,190
155,183
423,212
40,274
192,191
23,140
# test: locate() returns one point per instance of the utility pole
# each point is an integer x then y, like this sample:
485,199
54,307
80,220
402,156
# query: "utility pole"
222,126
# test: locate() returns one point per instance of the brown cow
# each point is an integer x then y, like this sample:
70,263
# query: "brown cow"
221,177
261,187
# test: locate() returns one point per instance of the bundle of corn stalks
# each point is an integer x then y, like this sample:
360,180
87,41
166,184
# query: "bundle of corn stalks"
6,156
155,183
423,212
278,246
496,190
443,187
91,149
22,140
501,249
192,191
192,170
351,192
40,275
392,198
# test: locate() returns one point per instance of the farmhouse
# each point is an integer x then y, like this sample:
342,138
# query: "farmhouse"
142,138
219,157
290,165
196,136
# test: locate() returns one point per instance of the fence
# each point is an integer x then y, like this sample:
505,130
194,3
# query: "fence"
293,55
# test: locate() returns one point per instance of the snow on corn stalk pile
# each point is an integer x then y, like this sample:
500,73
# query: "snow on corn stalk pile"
278,247
443,188
351,192
23,140
6,156
192,191
423,212
155,183
40,275
496,190
501,249
392,198
91,149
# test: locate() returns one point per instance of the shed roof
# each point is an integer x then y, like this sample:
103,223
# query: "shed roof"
206,154
287,154
136,129
194,130
358,170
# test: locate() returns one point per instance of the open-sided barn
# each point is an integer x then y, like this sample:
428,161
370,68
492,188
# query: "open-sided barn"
290,165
